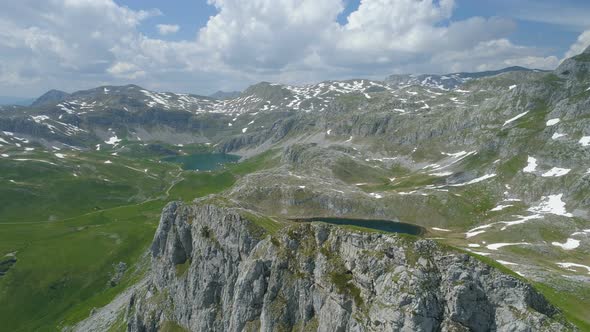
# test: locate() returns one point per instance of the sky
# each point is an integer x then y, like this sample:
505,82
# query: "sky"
201,46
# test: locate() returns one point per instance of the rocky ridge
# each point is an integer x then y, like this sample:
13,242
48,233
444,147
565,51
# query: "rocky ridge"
217,269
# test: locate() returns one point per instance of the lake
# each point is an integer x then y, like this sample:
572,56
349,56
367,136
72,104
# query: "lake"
203,161
381,225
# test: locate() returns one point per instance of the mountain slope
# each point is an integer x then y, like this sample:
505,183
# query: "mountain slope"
449,81
51,96
219,269
225,95
497,166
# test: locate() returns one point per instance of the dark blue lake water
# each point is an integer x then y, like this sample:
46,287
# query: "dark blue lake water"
381,225
203,161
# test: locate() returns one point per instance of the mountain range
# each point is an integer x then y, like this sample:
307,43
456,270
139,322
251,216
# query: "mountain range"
494,166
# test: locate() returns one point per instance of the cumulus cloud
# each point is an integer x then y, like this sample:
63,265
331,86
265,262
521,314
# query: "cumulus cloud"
166,29
74,44
268,34
580,45
493,54
126,70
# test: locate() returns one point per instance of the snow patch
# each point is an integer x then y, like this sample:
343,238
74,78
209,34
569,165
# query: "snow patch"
476,180
521,220
441,229
40,118
531,166
583,232
441,174
456,154
515,118
37,160
474,233
570,244
568,266
113,140
496,246
557,136
512,87
556,172
501,207
108,162
552,122
505,262
585,141
60,155
551,204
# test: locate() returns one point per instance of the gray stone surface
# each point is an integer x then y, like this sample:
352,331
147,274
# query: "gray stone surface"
317,277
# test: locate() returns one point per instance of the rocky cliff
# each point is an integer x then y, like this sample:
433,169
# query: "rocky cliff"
226,269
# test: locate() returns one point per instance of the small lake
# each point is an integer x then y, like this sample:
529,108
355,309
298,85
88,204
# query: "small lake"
381,225
203,161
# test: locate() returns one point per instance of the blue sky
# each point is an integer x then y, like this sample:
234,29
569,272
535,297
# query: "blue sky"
201,46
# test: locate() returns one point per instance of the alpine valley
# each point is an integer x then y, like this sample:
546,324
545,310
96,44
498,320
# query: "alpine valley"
101,230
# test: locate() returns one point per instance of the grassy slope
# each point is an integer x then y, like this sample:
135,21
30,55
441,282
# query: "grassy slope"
53,192
64,267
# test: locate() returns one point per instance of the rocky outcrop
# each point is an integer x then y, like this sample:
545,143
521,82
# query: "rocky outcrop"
224,269
51,96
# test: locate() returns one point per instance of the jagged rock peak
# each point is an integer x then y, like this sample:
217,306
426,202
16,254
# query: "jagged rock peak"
220,269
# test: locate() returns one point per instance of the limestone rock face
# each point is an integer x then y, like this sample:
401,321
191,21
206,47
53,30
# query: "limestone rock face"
216,269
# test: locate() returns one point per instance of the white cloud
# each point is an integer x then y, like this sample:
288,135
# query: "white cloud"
126,70
580,45
166,29
268,34
403,25
494,54
74,44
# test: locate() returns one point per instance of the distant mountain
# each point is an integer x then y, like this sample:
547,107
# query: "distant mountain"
449,81
51,96
495,163
8,100
224,95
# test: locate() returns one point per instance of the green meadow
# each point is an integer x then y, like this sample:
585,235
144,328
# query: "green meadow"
69,232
